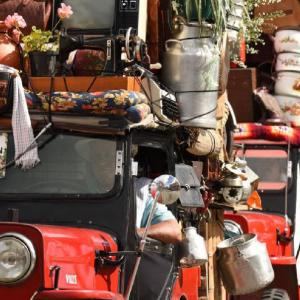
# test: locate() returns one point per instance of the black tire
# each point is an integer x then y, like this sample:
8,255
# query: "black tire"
275,294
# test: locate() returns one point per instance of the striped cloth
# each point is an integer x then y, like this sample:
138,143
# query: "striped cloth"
26,154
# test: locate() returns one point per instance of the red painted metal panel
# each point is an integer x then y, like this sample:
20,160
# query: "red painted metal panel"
265,227
71,249
187,284
284,260
76,295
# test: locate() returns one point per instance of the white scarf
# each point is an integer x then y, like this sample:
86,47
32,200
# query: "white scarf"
21,125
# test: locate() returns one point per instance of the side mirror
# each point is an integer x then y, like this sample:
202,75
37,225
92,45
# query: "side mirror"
168,188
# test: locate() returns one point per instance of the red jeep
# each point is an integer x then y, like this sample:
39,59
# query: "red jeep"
67,226
276,162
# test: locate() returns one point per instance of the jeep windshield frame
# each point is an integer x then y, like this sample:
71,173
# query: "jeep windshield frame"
70,153
273,193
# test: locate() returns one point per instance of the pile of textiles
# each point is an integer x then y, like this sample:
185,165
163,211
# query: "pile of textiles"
279,133
131,105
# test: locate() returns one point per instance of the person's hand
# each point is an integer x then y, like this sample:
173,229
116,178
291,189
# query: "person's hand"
140,231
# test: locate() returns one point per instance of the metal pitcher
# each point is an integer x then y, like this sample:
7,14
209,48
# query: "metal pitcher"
191,65
194,248
244,264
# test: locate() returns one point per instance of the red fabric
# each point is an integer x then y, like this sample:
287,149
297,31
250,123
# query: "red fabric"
268,132
88,62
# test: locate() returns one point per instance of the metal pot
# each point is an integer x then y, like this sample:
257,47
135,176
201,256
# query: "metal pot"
198,109
287,39
237,10
233,34
234,21
288,83
244,264
232,188
191,65
288,62
290,107
238,2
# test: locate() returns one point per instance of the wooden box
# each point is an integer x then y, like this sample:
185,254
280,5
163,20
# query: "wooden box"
241,84
158,29
84,83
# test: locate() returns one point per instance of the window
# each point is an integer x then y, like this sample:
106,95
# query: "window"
269,165
69,165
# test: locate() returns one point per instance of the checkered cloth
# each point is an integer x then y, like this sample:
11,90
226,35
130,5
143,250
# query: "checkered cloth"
26,154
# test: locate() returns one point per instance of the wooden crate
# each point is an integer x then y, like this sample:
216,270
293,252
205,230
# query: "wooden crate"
241,84
82,83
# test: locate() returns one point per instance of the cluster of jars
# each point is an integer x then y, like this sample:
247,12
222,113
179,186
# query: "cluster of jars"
287,84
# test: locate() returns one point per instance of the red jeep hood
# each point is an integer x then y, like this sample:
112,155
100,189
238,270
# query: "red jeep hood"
72,250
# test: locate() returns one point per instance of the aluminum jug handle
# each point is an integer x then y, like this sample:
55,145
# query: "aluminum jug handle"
173,41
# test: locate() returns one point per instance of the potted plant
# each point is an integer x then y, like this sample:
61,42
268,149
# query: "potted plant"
41,46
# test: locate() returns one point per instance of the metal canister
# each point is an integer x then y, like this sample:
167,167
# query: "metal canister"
191,69
194,248
244,264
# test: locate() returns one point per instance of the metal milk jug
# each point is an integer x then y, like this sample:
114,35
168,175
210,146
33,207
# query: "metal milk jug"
244,264
194,249
191,69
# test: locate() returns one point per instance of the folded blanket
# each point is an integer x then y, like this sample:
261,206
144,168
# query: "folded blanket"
268,132
132,105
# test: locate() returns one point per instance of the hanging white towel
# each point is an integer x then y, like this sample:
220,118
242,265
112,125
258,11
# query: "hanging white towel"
26,153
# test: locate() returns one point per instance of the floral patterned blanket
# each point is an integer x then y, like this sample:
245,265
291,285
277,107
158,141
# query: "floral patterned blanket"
132,105
268,132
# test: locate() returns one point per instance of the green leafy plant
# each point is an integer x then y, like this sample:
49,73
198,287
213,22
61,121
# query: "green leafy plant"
211,11
42,40
253,26
39,40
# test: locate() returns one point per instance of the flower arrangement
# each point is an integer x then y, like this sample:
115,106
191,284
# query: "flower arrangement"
14,23
37,40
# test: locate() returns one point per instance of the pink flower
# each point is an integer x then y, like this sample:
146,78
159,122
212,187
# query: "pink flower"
15,20
65,11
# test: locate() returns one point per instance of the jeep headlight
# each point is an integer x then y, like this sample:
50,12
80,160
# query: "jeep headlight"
17,257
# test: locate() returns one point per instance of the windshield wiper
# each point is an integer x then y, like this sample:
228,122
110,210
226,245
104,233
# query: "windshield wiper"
30,147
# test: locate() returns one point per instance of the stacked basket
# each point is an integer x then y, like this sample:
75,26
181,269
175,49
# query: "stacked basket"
287,85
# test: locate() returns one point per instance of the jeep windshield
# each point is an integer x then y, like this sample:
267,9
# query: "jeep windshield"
270,165
70,165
